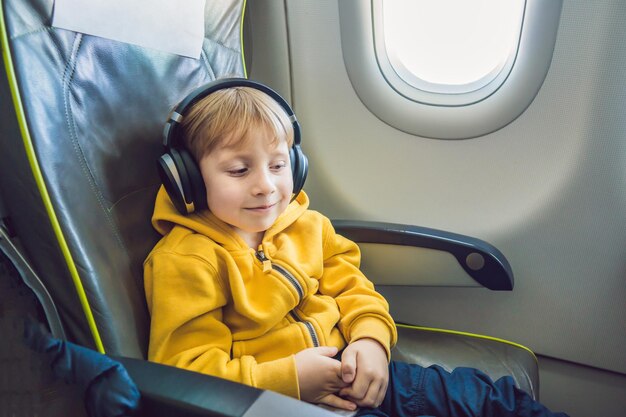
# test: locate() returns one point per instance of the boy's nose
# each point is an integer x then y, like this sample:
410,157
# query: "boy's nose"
263,183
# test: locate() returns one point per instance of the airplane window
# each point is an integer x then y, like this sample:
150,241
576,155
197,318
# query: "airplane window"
450,46
448,69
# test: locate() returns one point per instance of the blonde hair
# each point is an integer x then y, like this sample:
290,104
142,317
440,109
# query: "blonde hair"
225,117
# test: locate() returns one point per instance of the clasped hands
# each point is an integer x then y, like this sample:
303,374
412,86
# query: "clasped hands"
359,379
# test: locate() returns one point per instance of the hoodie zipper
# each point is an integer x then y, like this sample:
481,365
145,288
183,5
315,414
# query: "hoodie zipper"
260,255
309,327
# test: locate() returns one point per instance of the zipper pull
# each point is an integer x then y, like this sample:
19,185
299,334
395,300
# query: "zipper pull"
267,264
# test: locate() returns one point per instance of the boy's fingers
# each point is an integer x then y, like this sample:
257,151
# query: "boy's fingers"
337,402
373,398
357,391
329,351
381,394
348,366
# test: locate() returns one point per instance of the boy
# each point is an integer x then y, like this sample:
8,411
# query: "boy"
260,290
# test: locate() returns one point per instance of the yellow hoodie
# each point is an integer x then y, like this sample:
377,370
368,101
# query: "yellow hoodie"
222,308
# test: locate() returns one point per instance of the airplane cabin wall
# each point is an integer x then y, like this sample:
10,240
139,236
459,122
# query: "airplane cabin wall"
548,190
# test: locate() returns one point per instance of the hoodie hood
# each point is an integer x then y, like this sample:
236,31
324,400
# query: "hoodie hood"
166,217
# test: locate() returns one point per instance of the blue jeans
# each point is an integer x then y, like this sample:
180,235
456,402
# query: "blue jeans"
415,391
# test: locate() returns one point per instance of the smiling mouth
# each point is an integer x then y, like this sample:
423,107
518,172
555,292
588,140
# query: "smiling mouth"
262,208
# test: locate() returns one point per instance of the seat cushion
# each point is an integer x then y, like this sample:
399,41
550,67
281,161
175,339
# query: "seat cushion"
450,349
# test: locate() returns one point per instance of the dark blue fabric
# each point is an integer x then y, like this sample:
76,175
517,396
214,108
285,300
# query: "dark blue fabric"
109,390
415,391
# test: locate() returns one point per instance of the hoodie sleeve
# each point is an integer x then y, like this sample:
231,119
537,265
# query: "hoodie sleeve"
364,312
185,299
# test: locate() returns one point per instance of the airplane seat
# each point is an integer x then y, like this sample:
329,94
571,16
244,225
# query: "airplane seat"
82,119
92,114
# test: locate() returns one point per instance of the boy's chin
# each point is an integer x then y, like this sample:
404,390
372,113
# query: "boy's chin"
260,229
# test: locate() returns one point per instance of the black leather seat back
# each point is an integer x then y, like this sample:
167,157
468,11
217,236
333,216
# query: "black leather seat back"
91,113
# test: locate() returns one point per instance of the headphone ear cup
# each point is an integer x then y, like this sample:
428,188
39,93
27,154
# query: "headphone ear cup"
194,180
299,168
169,172
177,171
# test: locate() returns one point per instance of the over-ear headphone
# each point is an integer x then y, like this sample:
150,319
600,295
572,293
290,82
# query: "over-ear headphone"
178,169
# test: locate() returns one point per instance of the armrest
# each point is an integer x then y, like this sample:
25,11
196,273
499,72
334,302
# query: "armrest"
483,262
168,391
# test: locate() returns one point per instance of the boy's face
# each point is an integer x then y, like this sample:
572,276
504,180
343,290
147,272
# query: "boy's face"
249,186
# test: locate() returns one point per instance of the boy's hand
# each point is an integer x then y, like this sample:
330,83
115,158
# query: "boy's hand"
364,366
319,377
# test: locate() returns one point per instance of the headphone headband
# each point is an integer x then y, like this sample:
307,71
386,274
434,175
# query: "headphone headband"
170,131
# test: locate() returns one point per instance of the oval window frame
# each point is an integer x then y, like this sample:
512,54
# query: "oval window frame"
439,115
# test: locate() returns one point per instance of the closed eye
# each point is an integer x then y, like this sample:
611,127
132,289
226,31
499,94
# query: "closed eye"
237,172
278,166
